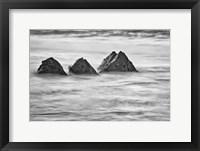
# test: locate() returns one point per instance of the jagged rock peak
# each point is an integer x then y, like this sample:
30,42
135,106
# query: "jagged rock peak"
107,60
52,66
117,62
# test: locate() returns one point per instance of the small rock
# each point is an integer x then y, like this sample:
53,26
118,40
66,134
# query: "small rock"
51,65
81,66
117,62
107,60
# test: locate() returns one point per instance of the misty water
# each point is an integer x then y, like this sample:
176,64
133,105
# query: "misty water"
116,96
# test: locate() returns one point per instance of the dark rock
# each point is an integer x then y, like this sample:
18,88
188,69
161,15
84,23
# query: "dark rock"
117,62
51,65
107,60
81,66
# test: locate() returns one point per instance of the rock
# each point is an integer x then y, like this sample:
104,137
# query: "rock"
117,62
81,66
107,60
51,65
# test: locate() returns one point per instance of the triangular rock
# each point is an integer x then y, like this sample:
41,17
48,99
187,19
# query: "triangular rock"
81,66
117,62
107,61
51,65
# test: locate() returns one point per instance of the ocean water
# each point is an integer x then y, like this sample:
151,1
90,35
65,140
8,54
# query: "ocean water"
117,96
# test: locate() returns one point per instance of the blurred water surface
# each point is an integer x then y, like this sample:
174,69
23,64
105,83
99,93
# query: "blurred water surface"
142,96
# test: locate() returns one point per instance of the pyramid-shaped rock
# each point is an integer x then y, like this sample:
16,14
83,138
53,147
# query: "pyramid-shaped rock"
81,66
117,62
52,66
107,60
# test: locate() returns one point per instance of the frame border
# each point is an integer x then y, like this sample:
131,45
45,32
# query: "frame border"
5,5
